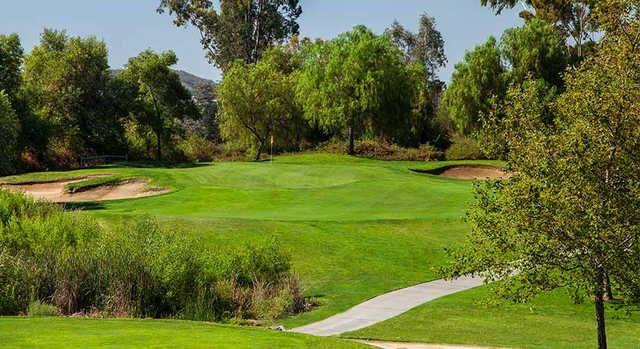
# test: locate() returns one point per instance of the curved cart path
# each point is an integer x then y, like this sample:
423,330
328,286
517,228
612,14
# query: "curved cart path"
387,306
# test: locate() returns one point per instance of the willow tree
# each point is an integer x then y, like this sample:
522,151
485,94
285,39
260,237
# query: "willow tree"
257,102
570,216
358,83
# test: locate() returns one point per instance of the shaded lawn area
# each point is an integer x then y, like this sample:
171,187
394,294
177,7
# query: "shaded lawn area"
550,321
60,333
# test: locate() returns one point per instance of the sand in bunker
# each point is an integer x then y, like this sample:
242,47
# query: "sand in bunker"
474,172
468,172
54,191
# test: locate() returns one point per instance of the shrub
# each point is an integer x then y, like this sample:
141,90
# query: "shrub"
464,148
385,151
198,148
136,269
38,308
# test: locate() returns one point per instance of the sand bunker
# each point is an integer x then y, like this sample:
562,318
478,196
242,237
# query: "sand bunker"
54,191
468,172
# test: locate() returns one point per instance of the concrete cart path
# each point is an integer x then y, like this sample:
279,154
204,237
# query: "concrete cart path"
387,306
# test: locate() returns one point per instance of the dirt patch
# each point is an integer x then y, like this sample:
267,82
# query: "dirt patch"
54,191
399,345
468,172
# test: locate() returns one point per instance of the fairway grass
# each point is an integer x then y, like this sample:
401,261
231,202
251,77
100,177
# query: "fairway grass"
550,321
355,228
61,333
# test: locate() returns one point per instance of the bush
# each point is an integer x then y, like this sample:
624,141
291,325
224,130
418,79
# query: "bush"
135,270
385,151
198,148
38,308
464,148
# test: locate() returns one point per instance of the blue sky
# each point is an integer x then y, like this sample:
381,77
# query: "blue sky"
130,26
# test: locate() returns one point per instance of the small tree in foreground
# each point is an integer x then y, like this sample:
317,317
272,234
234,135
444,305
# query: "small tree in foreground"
570,216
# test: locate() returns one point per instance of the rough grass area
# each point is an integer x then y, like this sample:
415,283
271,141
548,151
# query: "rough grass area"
550,321
61,333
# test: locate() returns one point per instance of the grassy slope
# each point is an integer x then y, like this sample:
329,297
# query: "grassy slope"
63,333
551,321
356,228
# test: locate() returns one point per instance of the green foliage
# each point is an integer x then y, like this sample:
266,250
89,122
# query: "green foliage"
464,148
569,216
534,51
135,270
237,29
161,98
10,131
39,309
258,102
476,81
69,82
359,83
10,65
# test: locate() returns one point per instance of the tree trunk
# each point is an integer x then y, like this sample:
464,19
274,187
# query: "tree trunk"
158,146
608,293
352,150
260,150
599,303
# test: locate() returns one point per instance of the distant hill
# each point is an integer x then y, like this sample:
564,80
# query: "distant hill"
189,80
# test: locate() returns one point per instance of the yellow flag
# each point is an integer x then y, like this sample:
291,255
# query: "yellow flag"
272,140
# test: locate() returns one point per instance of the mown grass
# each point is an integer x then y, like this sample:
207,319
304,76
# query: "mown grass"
89,184
61,333
355,228
550,321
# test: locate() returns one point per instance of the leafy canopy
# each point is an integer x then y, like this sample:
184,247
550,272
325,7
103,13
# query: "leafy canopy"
358,82
161,97
258,101
570,216
237,29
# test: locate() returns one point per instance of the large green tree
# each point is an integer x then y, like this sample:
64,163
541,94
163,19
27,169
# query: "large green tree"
70,85
426,48
10,131
358,83
11,65
476,82
572,18
161,97
258,102
570,215
534,51
237,29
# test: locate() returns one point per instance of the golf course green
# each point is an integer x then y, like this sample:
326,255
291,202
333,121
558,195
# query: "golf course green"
355,228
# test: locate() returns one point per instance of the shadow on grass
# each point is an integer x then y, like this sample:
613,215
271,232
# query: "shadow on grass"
159,164
84,206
